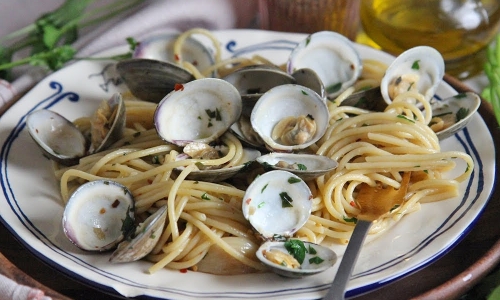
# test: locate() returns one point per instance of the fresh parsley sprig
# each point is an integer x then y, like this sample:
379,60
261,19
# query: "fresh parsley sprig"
49,38
492,70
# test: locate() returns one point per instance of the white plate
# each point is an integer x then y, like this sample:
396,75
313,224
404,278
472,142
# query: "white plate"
31,208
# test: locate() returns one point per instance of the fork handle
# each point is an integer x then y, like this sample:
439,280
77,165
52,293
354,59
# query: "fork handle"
339,284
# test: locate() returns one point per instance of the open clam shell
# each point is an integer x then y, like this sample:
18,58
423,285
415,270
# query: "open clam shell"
217,175
306,166
117,112
309,78
98,215
316,258
146,236
161,47
332,56
151,79
198,111
253,81
420,68
58,138
455,111
284,102
277,203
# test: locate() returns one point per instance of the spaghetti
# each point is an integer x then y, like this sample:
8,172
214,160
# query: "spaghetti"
370,147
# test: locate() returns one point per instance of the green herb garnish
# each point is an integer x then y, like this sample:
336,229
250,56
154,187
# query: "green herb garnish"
416,65
461,113
293,180
316,260
205,196
286,200
297,249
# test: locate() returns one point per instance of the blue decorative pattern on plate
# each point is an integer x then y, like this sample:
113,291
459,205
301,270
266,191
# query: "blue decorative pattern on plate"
31,208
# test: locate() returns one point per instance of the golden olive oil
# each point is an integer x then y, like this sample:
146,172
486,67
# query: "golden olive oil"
459,29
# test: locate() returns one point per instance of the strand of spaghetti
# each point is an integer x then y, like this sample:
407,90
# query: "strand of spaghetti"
183,36
330,223
230,139
226,226
179,245
222,244
171,214
305,233
167,231
229,215
198,238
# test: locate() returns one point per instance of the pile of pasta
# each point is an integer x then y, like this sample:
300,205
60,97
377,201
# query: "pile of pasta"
206,230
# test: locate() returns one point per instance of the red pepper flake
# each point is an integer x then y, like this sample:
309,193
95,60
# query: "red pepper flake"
102,211
248,201
177,57
195,63
183,270
353,204
150,181
115,203
178,87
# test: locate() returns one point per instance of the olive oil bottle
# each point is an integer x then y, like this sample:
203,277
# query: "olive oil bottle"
459,29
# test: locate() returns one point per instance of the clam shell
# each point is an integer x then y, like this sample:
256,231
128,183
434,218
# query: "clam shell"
328,257
253,81
284,101
161,47
217,175
117,125
94,216
314,165
267,209
147,235
199,111
57,137
150,79
424,61
332,56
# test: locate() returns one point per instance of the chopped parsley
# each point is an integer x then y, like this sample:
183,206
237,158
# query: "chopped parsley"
286,200
293,180
302,167
297,249
416,65
205,196
261,204
462,113
405,118
316,260
263,188
333,88
304,92
350,220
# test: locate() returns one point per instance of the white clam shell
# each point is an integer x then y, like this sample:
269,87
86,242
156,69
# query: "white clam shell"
284,101
315,165
263,204
94,215
161,47
430,70
306,268
185,115
332,56
58,137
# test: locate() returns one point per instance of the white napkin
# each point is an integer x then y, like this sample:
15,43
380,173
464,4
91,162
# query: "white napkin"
10,290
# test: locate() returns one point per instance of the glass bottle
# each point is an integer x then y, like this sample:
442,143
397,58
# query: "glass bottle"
459,29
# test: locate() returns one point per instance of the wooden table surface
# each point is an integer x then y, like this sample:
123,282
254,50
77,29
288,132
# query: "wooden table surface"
447,278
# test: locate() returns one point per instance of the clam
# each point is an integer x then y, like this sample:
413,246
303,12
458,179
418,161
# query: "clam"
332,56
198,111
306,166
253,81
150,79
245,133
145,238
290,117
99,215
308,78
161,47
63,142
420,68
296,259
277,203
57,137
154,71
452,114
217,173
